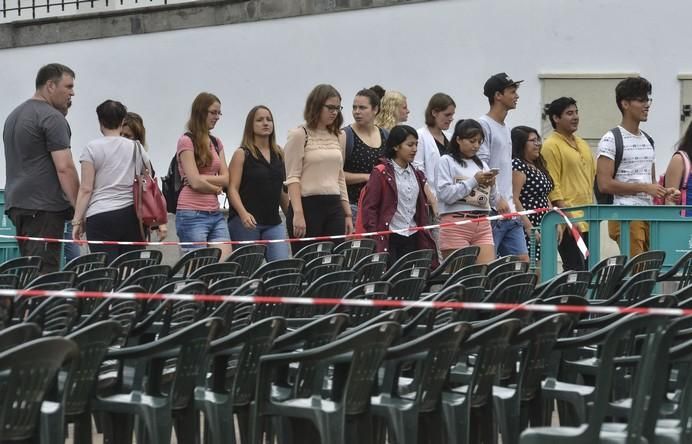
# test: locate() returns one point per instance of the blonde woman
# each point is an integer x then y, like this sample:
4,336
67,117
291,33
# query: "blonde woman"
393,110
256,185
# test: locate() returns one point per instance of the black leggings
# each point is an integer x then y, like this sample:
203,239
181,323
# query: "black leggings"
116,225
401,245
324,216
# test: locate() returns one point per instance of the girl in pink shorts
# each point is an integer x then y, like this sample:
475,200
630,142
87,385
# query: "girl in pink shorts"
466,190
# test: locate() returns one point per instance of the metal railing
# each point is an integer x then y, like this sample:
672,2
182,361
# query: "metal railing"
668,231
13,10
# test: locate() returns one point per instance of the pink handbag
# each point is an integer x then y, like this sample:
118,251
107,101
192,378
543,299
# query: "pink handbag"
150,205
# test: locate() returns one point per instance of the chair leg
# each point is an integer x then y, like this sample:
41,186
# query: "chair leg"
157,424
52,420
82,429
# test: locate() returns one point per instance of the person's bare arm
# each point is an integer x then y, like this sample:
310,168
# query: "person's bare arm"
195,180
355,178
67,174
605,168
86,189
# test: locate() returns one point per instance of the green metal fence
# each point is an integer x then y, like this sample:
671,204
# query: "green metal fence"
669,231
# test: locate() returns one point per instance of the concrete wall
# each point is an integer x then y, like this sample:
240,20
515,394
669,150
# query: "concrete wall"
421,48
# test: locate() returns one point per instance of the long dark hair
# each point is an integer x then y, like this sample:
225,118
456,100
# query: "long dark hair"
464,129
685,143
520,135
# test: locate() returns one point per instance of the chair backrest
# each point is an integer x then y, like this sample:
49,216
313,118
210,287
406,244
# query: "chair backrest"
253,342
55,315
128,263
192,344
414,259
193,260
248,257
637,288
28,373
97,279
319,266
332,285
8,281
654,353
371,268
214,272
151,277
294,265
367,348
475,270
515,289
92,342
502,260
371,290
227,285
648,260
492,344
86,262
569,282
537,341
681,271
606,277
408,284
18,334
354,250
58,280
317,333
456,261
503,271
286,285
314,250
433,355
25,268
180,314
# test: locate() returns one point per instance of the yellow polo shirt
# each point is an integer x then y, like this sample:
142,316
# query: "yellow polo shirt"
572,167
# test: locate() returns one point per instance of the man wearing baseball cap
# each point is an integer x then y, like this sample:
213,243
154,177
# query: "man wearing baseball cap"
496,150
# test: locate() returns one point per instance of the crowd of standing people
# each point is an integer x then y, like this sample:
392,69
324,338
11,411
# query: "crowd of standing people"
374,174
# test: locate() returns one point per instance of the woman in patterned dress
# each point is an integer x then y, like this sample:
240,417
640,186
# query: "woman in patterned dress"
531,182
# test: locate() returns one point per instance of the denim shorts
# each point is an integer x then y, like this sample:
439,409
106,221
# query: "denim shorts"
509,237
200,226
275,251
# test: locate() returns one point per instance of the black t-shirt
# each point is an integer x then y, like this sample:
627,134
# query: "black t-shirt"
362,159
260,187
442,147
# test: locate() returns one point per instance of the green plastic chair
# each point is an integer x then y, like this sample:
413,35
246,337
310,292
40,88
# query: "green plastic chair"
568,283
456,261
521,403
355,360
146,401
649,388
354,250
376,290
226,395
248,257
681,271
411,408
468,408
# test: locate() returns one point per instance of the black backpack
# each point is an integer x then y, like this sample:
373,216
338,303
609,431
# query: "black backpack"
172,183
604,198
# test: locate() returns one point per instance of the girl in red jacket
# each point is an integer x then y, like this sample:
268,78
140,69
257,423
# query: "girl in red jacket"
394,198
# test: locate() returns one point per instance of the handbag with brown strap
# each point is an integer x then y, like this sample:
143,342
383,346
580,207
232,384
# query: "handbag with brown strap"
150,204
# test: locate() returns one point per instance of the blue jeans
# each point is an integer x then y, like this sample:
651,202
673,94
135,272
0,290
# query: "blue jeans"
70,251
509,238
261,232
200,226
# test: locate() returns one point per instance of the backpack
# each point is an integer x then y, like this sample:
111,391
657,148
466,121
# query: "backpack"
683,183
359,214
172,183
350,140
605,198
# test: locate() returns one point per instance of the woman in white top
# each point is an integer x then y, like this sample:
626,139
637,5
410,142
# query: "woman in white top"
105,207
466,190
432,142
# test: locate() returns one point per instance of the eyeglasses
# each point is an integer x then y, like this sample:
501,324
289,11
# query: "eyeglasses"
534,141
333,108
216,113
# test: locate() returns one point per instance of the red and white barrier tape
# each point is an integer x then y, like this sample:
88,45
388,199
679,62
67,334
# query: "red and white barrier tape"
273,241
575,234
545,308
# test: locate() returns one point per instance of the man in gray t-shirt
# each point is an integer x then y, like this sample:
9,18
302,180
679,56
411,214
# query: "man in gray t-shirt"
41,179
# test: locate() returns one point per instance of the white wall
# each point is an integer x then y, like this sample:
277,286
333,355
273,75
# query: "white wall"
419,49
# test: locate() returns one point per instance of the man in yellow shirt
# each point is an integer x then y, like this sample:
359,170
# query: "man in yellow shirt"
572,167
